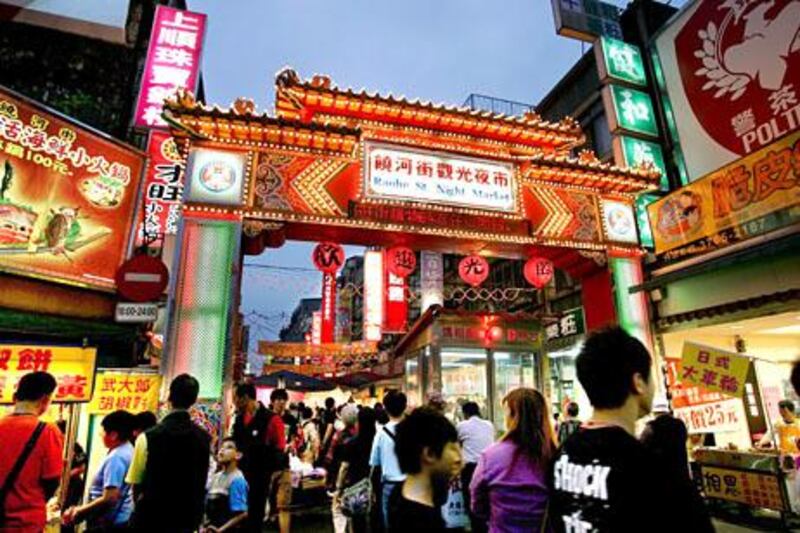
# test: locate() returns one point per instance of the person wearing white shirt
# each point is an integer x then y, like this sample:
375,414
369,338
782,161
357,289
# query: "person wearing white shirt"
475,435
383,455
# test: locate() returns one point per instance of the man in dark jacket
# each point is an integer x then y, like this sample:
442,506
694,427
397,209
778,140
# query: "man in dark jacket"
250,433
170,466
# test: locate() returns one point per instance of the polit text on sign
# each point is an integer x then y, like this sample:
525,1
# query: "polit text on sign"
420,176
73,368
173,62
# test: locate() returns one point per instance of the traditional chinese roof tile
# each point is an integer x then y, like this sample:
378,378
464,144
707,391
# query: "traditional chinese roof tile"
587,171
308,100
240,124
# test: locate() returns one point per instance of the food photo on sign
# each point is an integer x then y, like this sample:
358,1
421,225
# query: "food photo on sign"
67,196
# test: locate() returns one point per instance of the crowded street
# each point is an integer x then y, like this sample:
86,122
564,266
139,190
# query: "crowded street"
387,267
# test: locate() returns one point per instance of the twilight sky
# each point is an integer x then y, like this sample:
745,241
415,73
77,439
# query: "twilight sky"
435,50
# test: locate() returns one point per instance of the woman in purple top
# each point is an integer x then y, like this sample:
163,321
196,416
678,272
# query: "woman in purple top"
509,488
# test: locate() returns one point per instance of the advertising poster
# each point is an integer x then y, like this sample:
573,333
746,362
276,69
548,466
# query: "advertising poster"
67,197
714,369
134,392
163,189
72,366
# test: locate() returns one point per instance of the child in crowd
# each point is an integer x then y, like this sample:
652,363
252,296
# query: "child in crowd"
226,508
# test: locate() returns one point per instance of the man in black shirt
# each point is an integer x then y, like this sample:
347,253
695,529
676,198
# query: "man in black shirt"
427,450
603,479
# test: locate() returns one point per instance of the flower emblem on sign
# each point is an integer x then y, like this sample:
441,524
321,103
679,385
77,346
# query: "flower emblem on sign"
217,176
473,269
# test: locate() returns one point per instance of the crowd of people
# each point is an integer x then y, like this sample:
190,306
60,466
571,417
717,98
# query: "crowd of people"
388,468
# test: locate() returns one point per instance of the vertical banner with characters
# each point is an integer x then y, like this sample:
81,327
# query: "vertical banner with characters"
163,189
67,196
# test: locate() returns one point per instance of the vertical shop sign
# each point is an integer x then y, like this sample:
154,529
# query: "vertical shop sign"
373,295
163,188
396,304
432,279
620,61
328,311
631,110
633,152
134,392
316,328
72,367
173,62
714,369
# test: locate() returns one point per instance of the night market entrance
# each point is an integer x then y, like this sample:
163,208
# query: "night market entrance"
338,166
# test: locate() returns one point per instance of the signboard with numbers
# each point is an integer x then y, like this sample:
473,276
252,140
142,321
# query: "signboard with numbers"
752,488
714,369
724,415
173,62
755,194
67,196
134,392
620,61
629,109
73,367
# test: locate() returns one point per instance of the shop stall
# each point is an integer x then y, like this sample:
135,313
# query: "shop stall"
469,356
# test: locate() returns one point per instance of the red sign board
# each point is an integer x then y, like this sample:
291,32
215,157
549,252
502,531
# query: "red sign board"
173,62
163,188
67,196
142,278
401,261
328,325
395,317
473,269
328,257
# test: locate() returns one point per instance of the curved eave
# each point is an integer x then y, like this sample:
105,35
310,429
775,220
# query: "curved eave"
592,175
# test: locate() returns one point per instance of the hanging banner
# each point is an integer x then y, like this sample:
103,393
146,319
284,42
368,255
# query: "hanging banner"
757,194
431,279
134,392
67,196
316,328
73,367
373,295
163,188
721,416
328,312
396,315
714,369
173,62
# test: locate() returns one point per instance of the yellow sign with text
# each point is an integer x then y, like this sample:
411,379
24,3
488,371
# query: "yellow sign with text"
751,488
73,367
714,369
134,392
743,193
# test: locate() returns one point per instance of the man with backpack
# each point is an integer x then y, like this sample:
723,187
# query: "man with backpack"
383,458
31,463
571,425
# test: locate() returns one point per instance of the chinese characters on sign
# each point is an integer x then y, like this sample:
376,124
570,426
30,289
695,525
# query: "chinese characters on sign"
724,415
752,488
328,318
132,391
714,369
431,281
73,368
632,110
173,62
636,152
403,174
67,197
570,324
621,61
163,188
741,197
586,19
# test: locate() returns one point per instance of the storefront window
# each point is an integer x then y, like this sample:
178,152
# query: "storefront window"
464,379
512,370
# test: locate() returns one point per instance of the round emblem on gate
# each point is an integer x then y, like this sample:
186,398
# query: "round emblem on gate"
217,176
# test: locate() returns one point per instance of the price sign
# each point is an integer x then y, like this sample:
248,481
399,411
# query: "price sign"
726,415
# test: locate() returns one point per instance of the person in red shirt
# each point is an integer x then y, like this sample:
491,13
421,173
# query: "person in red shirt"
24,508
281,482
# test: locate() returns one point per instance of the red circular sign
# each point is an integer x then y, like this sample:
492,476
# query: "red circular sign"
401,261
538,271
328,257
739,64
473,269
142,278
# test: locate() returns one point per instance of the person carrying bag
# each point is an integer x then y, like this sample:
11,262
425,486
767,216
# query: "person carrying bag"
11,479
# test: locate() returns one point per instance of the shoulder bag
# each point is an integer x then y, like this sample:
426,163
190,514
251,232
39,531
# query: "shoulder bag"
17,469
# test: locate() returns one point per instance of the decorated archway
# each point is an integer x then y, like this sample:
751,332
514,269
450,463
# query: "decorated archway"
353,167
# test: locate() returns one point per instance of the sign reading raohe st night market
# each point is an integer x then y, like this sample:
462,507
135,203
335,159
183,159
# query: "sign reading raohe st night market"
73,368
420,176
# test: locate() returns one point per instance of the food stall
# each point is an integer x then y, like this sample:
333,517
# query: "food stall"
471,356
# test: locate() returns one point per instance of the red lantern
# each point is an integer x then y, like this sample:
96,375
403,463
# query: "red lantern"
473,269
538,271
328,257
401,261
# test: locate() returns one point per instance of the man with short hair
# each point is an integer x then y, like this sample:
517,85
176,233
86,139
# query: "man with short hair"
475,435
598,474
571,423
110,500
281,478
36,447
428,453
786,430
383,458
170,466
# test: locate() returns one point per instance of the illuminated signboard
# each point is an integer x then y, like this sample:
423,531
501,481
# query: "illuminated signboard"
67,197
586,19
634,152
434,177
643,220
173,62
373,295
134,392
620,61
73,368
163,188
630,109
215,177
